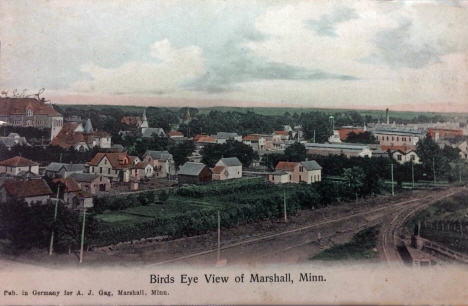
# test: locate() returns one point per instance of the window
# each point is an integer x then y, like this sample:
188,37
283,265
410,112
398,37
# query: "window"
392,138
108,170
399,157
398,139
300,178
412,157
301,169
100,169
290,177
105,162
29,112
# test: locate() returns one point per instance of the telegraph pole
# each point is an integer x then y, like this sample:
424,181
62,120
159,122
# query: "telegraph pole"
433,169
219,236
51,249
82,234
285,214
314,136
412,172
393,188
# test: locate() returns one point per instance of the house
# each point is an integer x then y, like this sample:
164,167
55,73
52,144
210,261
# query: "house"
15,165
57,170
405,155
228,136
194,173
115,166
283,134
72,195
256,141
91,183
31,191
203,141
175,135
33,112
74,135
349,150
162,162
12,140
292,172
463,146
227,169
437,134
141,171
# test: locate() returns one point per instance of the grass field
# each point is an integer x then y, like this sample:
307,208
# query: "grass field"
361,247
216,196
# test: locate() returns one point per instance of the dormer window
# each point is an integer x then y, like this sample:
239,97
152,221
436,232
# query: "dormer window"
29,112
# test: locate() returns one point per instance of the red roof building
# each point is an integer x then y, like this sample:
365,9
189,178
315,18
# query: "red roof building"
30,112
30,191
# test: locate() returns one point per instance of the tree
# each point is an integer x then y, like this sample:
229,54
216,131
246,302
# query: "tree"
181,151
355,177
214,152
365,137
296,152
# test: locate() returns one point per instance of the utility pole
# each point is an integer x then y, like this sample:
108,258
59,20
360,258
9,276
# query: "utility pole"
412,172
459,173
82,234
51,249
314,136
433,169
285,214
219,236
393,188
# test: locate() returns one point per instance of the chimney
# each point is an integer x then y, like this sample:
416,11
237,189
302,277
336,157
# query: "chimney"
42,101
388,117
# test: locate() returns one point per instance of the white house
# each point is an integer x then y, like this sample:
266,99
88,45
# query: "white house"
17,164
227,169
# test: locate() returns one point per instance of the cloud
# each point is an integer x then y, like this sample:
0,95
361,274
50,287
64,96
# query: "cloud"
325,24
174,67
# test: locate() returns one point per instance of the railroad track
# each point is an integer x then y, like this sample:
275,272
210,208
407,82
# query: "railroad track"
266,237
392,230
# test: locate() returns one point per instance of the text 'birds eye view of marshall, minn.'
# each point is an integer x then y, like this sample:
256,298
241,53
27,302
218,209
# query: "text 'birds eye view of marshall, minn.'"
116,185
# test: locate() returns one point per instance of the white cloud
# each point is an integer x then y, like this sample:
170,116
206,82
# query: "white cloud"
176,66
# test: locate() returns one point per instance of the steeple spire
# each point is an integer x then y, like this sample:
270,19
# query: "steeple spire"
144,122
88,127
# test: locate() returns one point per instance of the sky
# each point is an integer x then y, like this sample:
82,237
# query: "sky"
406,55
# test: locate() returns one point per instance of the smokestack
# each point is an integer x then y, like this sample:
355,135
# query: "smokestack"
388,117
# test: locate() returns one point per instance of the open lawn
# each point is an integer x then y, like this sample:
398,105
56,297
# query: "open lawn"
362,246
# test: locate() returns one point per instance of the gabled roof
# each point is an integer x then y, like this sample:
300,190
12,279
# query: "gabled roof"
251,137
13,106
282,133
198,136
225,135
150,131
82,194
207,139
141,165
175,133
28,175
192,169
11,141
159,155
231,161
69,183
398,148
83,177
18,161
117,160
218,169
282,165
31,188
311,165
55,167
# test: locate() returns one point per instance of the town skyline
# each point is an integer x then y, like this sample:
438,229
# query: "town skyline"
403,55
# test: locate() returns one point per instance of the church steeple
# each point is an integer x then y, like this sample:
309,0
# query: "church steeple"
88,127
144,122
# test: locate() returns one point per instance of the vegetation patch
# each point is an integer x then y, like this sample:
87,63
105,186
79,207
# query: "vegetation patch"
361,247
